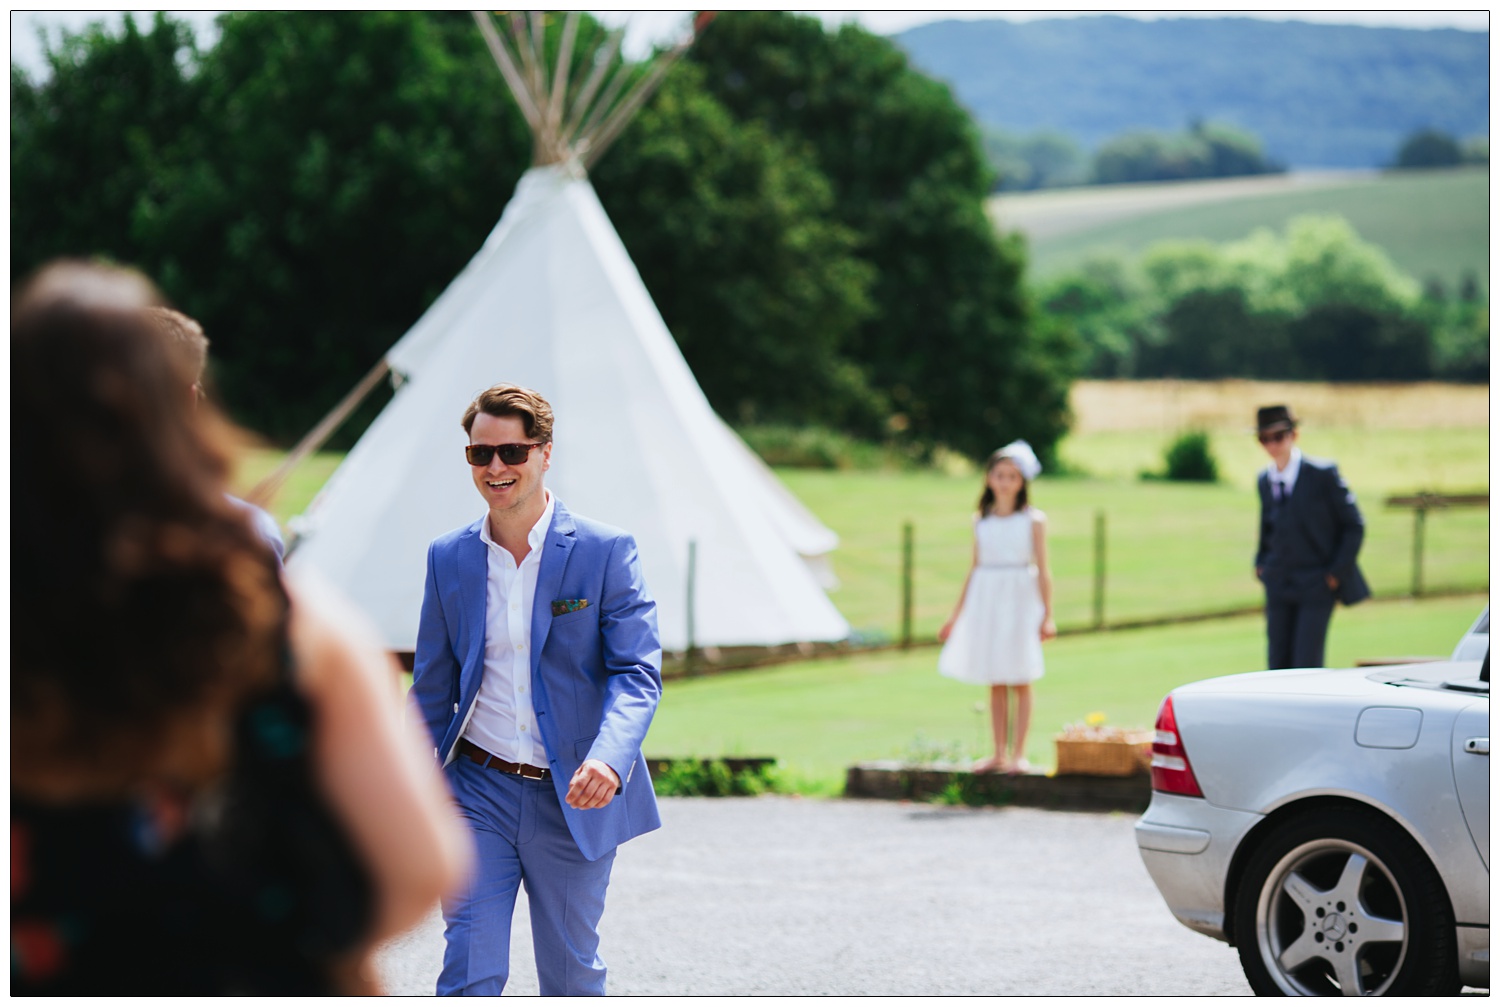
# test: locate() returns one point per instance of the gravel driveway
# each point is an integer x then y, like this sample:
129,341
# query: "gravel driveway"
784,895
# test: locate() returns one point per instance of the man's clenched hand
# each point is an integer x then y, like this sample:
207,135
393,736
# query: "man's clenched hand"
593,786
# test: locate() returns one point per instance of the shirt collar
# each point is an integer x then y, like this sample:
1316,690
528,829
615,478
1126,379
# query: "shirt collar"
1287,475
535,537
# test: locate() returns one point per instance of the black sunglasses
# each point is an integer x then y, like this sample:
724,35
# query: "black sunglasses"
510,454
1275,437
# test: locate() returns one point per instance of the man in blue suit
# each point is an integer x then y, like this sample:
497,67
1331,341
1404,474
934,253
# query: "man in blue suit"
538,669
1310,534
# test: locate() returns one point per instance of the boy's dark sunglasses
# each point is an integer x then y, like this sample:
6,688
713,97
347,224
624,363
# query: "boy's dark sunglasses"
510,454
1275,437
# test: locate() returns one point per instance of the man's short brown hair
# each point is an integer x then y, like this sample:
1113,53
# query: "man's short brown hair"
185,338
513,400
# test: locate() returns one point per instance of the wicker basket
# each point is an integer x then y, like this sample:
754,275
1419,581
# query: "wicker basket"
1123,757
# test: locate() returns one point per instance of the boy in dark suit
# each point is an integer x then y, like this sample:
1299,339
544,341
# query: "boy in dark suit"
1310,534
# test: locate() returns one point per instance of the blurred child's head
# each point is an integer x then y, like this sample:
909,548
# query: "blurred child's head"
1007,475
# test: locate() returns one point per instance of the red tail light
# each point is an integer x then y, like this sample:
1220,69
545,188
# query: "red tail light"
1171,771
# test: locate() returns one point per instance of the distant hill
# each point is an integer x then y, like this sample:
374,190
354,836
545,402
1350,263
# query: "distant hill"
1316,95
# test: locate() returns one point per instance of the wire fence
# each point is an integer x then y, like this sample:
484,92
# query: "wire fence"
1114,568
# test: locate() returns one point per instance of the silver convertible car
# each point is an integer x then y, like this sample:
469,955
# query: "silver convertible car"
1332,825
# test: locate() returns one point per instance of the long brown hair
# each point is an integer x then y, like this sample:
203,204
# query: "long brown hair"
144,603
987,498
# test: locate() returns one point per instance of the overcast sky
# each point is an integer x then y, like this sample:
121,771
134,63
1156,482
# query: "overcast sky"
647,26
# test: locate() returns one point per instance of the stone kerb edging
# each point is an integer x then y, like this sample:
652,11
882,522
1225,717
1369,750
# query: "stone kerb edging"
895,780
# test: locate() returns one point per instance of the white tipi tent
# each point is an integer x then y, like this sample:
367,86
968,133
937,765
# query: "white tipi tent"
552,301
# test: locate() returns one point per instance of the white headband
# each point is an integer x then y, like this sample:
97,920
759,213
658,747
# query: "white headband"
1024,458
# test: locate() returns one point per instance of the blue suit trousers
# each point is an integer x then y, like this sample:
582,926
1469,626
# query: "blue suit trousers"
520,837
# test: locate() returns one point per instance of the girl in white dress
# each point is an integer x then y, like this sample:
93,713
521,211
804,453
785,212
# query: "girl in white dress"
1005,609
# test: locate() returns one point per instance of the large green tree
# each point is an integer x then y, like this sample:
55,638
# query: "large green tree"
1316,303
733,234
91,143
952,341
1040,160
305,188
344,169
1206,150
323,175
1429,148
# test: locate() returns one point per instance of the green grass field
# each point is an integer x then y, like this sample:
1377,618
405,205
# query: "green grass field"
819,717
1170,547
1431,224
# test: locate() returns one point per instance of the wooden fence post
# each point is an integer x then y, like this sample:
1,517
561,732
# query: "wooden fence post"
1099,569
1418,533
906,585
1421,503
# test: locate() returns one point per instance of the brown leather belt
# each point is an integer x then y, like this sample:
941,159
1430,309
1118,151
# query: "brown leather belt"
488,761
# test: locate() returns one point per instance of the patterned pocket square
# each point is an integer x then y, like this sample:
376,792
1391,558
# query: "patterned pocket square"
566,605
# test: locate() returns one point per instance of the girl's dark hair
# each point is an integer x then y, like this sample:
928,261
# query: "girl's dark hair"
144,604
987,498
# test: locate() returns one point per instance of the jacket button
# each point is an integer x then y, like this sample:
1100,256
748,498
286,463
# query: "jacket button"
455,707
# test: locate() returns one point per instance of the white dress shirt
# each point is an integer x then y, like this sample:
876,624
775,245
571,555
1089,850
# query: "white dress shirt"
503,721
1287,476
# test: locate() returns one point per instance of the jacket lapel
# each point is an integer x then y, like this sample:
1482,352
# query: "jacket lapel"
1302,492
558,545
473,582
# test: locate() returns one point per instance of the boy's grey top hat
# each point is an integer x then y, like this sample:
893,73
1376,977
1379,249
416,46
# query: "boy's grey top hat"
1274,418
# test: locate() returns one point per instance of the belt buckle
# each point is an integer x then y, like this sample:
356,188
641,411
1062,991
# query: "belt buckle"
530,772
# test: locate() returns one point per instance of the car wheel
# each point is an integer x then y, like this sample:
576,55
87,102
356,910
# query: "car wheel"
1341,901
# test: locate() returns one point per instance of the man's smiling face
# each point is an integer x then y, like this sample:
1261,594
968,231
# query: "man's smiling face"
507,487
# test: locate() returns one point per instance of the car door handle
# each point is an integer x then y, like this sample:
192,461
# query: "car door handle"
1477,746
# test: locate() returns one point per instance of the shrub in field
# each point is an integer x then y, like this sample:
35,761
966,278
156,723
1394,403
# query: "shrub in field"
1429,148
1188,460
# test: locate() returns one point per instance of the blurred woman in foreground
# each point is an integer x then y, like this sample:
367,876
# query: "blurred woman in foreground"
211,787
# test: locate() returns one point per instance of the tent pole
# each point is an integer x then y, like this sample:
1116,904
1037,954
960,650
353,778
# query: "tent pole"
537,64
560,79
602,106
595,143
603,58
508,70
316,437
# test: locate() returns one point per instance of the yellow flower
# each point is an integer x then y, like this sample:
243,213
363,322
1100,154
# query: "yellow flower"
1094,719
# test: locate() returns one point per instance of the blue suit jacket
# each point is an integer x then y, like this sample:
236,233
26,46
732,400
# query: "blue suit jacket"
1316,532
595,672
